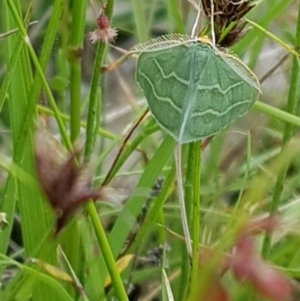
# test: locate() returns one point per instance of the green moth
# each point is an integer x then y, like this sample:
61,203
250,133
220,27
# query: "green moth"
193,89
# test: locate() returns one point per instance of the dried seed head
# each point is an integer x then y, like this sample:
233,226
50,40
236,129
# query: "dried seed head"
234,35
102,21
61,179
226,12
104,32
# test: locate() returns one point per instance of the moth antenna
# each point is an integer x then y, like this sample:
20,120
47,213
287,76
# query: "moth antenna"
196,22
93,9
194,4
212,12
198,8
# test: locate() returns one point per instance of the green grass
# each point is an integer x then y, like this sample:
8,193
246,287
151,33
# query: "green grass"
54,80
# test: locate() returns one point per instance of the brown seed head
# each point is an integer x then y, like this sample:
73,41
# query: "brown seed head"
62,180
226,12
104,32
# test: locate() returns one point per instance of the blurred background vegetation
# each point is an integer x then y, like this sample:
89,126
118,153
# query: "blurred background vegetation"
245,164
